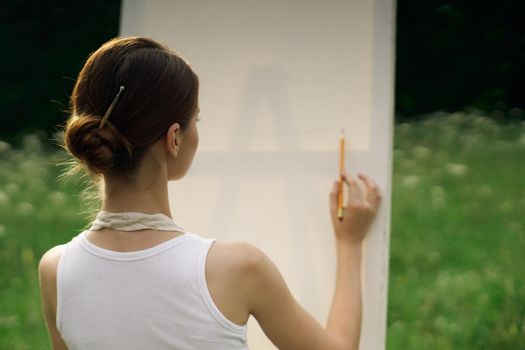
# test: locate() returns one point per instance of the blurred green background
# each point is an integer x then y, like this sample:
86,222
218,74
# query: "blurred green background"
457,240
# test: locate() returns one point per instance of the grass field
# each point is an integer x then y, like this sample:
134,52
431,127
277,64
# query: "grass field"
457,265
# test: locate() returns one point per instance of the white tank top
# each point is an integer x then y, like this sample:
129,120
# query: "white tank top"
156,298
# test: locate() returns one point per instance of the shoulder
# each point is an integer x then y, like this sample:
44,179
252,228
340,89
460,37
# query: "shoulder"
238,263
47,271
229,270
49,261
240,256
244,267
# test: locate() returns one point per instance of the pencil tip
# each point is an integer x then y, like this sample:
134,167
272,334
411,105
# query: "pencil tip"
342,131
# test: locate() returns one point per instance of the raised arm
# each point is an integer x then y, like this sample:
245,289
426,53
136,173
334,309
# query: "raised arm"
345,314
282,319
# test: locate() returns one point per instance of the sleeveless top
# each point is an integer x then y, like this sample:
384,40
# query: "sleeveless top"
156,298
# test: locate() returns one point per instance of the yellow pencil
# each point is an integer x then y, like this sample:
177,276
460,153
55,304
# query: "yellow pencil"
341,179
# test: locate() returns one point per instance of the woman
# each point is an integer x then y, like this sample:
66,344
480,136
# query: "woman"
136,279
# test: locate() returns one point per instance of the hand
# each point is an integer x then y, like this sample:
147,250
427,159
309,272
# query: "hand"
359,212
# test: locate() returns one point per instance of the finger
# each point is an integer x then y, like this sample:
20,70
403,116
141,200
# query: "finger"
355,194
334,199
373,196
344,175
333,196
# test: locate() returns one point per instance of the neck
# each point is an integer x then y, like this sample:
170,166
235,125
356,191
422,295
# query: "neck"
150,197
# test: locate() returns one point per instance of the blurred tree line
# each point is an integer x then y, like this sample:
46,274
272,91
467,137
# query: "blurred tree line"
457,55
450,55
44,46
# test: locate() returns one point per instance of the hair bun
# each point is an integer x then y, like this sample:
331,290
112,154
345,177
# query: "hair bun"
100,149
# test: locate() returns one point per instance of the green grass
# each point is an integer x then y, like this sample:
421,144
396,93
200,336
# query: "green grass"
36,212
457,263
457,245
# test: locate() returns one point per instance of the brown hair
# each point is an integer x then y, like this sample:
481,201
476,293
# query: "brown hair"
160,89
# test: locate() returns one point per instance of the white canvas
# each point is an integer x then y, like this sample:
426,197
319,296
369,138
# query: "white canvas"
278,81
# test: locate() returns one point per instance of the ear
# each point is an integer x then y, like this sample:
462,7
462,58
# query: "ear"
173,139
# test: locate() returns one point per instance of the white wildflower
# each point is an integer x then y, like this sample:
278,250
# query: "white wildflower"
433,120
410,181
472,141
483,122
4,146
457,118
29,166
404,127
486,191
57,197
450,134
4,198
7,321
31,142
408,164
25,208
421,152
521,140
506,206
456,169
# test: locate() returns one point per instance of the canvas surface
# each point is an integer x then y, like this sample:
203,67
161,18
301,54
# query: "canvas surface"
278,81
